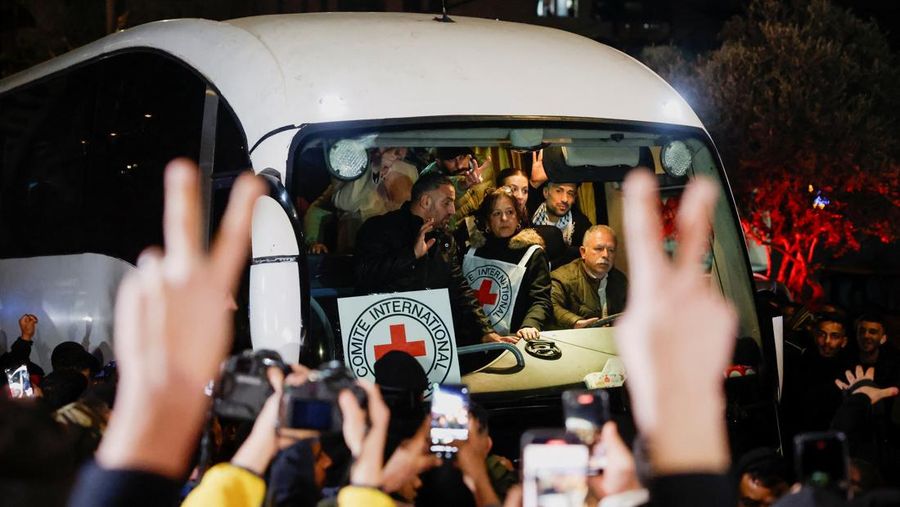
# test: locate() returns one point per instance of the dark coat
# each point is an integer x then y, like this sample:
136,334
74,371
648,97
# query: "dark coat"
533,307
558,253
385,262
574,298
810,397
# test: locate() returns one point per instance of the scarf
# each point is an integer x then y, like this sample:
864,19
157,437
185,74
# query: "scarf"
565,223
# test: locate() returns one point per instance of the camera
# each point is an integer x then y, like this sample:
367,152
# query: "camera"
313,405
244,385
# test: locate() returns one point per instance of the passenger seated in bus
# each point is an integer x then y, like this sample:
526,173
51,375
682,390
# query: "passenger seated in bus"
410,249
507,269
316,221
516,180
511,178
558,211
384,187
590,288
470,180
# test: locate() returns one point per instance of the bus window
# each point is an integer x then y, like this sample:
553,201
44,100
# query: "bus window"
596,157
82,154
86,176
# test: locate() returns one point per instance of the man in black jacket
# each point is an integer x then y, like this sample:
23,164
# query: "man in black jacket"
409,249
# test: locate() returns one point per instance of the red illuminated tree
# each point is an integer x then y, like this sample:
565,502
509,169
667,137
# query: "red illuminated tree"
802,100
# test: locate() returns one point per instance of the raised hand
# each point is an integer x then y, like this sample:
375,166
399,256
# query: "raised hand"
868,388
410,459
538,174
27,325
365,436
677,334
173,327
474,176
422,246
619,473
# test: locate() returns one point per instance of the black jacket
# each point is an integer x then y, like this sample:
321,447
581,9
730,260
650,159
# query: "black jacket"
385,262
533,307
558,252
810,396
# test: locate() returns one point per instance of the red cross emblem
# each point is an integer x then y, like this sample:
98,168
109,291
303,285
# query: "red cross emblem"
484,295
398,342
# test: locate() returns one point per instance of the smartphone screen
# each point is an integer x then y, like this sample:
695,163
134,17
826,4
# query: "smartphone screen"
449,418
822,460
19,382
586,411
554,474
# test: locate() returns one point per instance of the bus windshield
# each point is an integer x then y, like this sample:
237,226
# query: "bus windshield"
563,178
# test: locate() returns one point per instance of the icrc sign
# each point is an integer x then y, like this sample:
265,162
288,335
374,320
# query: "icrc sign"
417,322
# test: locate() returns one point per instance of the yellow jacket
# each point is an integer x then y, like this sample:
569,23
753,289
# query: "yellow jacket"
228,486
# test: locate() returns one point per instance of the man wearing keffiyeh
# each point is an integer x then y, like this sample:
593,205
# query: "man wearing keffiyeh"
559,210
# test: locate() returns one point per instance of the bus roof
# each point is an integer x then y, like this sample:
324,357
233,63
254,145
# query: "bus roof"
294,69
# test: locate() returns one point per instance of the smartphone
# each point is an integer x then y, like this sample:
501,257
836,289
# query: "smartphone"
449,418
554,472
586,411
822,461
19,382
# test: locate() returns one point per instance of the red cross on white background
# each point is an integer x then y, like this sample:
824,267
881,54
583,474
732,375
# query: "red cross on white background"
398,342
484,295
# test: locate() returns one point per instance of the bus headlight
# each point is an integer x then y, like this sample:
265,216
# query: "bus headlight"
347,159
676,158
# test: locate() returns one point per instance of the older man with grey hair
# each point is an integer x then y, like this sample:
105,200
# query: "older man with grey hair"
589,288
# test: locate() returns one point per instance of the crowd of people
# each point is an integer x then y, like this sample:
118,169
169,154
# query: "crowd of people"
458,219
132,433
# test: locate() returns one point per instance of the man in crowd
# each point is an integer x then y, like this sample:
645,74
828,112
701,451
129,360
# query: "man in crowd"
409,249
810,397
874,350
20,352
590,288
762,478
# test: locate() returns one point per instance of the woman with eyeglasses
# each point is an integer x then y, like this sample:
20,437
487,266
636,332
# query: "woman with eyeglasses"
507,268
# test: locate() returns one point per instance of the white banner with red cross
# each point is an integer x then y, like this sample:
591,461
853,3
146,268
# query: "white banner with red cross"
419,323
496,285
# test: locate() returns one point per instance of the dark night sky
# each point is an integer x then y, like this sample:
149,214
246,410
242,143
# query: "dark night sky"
694,25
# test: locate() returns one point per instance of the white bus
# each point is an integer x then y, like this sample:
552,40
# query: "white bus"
84,138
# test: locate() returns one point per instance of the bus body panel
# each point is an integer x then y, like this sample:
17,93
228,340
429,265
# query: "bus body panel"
272,152
311,68
73,297
275,294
